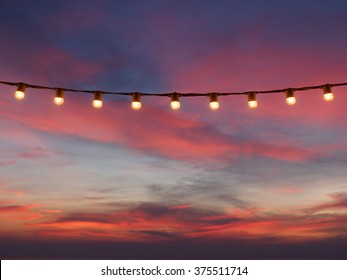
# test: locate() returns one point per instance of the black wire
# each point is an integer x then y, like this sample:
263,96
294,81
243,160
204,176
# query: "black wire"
190,94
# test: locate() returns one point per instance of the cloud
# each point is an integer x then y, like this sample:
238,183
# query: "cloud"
34,153
154,221
9,162
12,192
83,218
52,211
339,201
13,209
181,137
17,214
184,136
182,206
158,235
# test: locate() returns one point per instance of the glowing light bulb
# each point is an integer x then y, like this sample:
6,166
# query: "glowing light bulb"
175,101
59,97
97,102
290,99
175,105
20,92
136,105
328,94
252,102
19,95
214,104
58,101
136,102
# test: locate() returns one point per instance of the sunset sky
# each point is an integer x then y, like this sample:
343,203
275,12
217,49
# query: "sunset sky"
74,176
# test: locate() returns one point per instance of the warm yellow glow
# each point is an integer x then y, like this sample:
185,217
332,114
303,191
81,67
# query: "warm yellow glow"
214,105
252,104
19,95
175,105
58,101
329,96
136,105
97,104
290,100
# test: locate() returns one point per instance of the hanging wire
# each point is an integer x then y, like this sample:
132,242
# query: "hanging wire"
181,94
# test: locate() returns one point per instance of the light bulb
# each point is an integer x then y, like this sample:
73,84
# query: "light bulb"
19,95
20,92
59,97
175,101
214,105
136,102
58,101
136,105
97,102
290,99
252,102
328,94
175,105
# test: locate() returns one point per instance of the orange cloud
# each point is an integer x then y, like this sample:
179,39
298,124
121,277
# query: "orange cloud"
13,208
151,222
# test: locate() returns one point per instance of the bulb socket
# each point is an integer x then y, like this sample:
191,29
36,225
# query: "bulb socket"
136,97
98,95
21,87
327,89
213,97
289,92
175,97
59,93
252,96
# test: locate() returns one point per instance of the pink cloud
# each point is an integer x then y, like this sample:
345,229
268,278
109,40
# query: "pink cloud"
182,136
339,201
155,221
8,162
138,223
34,153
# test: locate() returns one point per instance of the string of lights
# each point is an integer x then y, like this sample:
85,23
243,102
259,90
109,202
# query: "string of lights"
174,96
